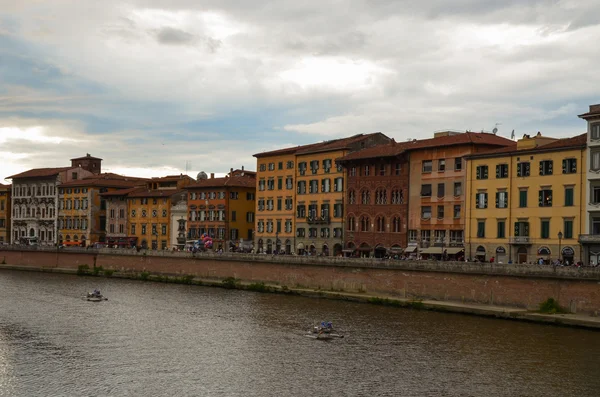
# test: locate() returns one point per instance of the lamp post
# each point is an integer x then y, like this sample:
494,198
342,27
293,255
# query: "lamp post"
277,242
560,236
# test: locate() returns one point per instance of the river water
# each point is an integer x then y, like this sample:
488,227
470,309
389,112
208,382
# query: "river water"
153,339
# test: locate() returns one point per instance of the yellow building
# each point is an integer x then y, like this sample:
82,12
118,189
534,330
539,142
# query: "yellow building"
82,208
299,203
5,213
525,202
153,211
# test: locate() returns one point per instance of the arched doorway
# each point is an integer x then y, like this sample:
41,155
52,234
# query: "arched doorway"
380,251
350,249
300,249
480,253
31,232
337,250
260,246
325,250
312,250
269,246
288,247
365,250
144,244
522,255
83,241
568,255
500,255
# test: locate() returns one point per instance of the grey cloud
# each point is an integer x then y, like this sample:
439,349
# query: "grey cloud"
173,36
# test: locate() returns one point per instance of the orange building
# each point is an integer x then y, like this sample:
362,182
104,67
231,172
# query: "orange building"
300,196
436,210
153,212
82,208
224,209
5,213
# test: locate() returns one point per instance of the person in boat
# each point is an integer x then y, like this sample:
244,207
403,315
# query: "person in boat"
96,292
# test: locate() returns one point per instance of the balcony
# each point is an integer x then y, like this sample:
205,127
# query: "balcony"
318,220
589,238
520,240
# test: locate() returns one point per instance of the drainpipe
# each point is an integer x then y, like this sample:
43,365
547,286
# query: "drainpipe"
510,204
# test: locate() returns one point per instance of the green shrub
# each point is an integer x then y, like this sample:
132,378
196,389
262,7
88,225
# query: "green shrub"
97,270
109,272
83,270
230,282
144,276
384,302
551,306
186,279
258,287
416,304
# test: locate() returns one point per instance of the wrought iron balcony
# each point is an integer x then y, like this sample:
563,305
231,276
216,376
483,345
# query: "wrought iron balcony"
318,220
589,238
520,240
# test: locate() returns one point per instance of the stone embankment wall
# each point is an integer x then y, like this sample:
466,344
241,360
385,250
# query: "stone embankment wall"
506,285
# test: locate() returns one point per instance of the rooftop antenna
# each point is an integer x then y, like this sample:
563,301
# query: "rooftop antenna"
495,130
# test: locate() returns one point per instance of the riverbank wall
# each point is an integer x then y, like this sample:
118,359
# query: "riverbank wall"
519,286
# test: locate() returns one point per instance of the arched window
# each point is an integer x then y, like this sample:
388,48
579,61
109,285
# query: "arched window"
351,197
351,224
396,224
381,196
366,197
380,222
364,223
397,196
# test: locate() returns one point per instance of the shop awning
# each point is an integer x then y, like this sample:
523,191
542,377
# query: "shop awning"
396,249
412,248
454,250
300,246
432,250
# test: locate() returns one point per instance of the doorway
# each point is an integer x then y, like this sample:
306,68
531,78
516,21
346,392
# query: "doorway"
522,255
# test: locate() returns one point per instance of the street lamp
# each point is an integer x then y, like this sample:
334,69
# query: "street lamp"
560,236
277,242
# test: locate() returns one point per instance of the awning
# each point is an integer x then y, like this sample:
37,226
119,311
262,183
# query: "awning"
411,249
396,249
300,246
454,250
432,250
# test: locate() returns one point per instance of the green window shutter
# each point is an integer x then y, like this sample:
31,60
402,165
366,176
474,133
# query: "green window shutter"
478,173
541,168
564,166
476,200
550,167
541,198
485,172
550,199
519,169
526,228
517,229
498,174
574,166
485,200
497,199
568,197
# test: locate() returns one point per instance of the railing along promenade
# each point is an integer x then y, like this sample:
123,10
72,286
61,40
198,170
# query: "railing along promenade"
480,268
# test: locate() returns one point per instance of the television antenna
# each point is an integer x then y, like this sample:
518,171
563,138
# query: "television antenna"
495,130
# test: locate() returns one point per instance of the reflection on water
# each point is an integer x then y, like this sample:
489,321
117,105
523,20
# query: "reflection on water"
165,340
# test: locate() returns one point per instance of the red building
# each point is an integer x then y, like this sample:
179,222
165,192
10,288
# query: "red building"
376,200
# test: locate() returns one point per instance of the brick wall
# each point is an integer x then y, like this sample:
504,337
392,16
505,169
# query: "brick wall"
516,285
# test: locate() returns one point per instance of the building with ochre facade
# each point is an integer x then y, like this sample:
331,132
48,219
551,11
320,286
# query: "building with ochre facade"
223,208
525,202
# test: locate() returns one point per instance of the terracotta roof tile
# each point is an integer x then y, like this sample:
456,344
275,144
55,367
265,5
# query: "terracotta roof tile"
102,182
563,143
39,172
120,192
238,181
143,192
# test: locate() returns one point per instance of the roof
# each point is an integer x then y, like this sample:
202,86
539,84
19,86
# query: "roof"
39,172
334,144
120,192
86,157
102,182
578,141
396,148
171,178
593,113
238,181
3,186
144,192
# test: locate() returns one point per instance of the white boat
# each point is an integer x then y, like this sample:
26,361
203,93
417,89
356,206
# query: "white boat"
95,297
325,331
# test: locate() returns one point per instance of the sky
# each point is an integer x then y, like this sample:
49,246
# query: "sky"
159,87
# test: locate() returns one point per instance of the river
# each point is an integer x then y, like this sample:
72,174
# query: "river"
155,339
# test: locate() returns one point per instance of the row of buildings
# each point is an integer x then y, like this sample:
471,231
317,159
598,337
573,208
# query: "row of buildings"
455,195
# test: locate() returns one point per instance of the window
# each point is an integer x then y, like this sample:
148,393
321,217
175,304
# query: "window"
351,197
261,204
426,190
278,206
262,167
289,183
396,225
301,189
397,197
427,166
290,165
457,211
278,228
426,212
441,190
302,168
144,213
261,226
352,171
338,184
458,164
351,223
569,196
261,186
234,216
144,228
338,210
326,185
545,232
326,166
480,229
289,203
481,172
301,211
523,168
545,198
366,197
457,189
271,166
364,224
501,229
133,228
279,183
382,170
442,165
366,170
313,186
521,229
337,232
300,232
381,196
250,196
568,228
270,184
280,165
481,200
546,167
595,130
502,171
380,224
288,225
412,236
163,229
522,198
397,169
501,199
440,212
249,217
596,195
154,213
569,166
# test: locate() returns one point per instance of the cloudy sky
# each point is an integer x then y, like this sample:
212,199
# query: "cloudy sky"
153,85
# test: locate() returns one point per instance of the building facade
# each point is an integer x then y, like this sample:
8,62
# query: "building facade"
376,200
83,214
117,224
223,208
300,195
437,195
590,236
525,202
5,213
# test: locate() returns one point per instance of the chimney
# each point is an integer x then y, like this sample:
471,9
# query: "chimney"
242,168
212,175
